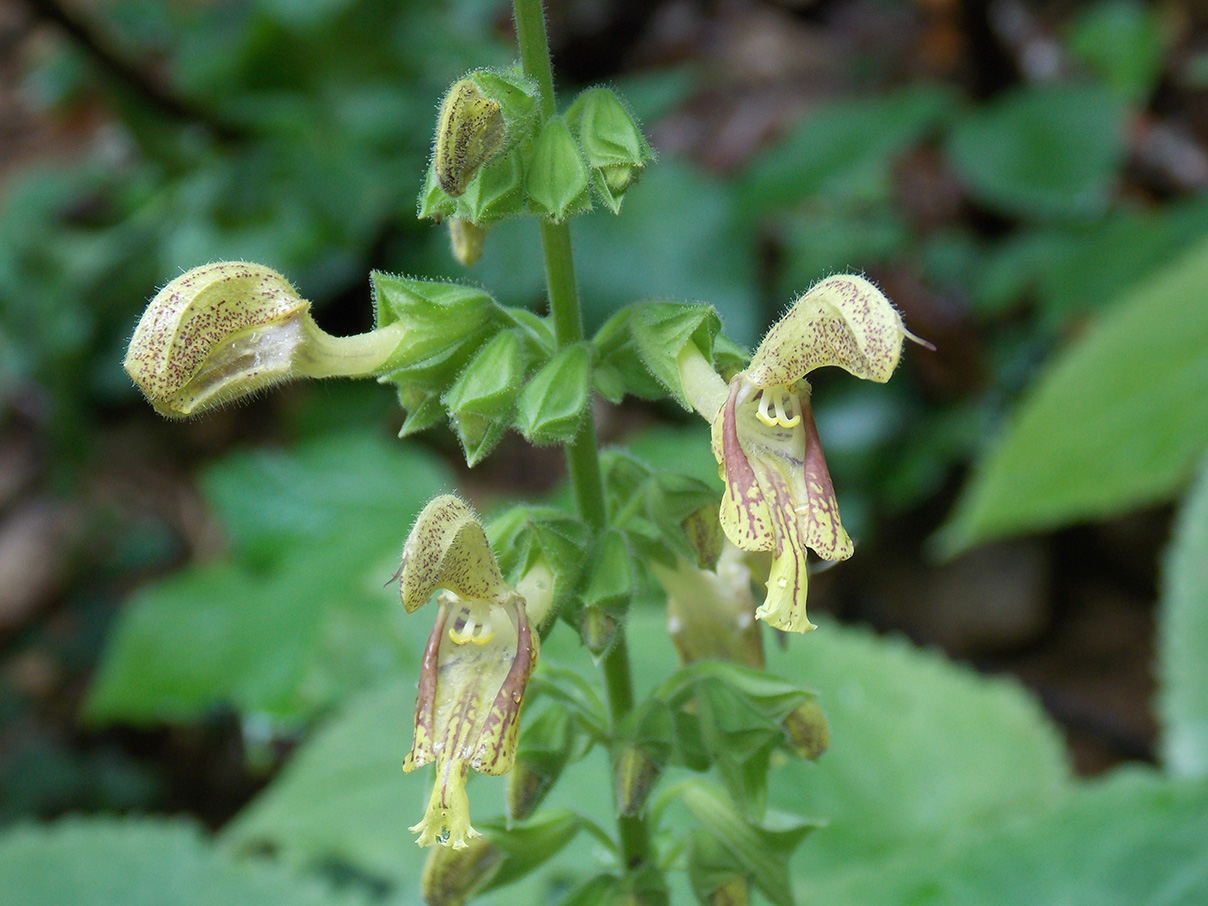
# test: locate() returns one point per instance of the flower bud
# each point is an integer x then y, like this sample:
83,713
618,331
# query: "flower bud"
469,132
467,240
598,630
806,730
483,137
634,777
612,143
223,331
452,875
543,752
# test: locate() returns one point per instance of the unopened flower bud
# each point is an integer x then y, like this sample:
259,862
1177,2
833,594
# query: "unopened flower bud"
544,750
734,892
634,776
223,331
469,132
467,239
612,143
452,875
598,630
807,731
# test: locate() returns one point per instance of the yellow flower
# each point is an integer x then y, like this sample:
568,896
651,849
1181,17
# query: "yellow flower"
475,667
778,494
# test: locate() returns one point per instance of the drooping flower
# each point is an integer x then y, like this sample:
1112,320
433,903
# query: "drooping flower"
475,667
778,492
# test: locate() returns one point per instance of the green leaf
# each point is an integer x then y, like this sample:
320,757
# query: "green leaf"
1183,639
552,405
527,845
762,850
296,616
1133,839
1122,41
114,862
343,796
1051,151
844,149
922,751
1113,424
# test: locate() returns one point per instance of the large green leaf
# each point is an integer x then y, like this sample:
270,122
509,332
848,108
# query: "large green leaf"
113,862
921,750
1134,839
1048,151
1183,639
295,616
1116,422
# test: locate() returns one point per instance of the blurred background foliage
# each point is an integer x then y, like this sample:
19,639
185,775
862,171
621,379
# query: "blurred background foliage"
1026,181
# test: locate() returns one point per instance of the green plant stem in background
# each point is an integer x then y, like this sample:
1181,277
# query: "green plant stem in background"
582,456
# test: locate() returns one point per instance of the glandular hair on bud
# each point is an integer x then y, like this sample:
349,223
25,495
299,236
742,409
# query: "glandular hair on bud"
469,132
451,875
807,731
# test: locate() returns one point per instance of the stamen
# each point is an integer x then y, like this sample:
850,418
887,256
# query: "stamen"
787,421
473,625
788,408
764,399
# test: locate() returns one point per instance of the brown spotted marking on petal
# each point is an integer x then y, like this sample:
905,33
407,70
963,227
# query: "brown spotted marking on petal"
448,549
843,321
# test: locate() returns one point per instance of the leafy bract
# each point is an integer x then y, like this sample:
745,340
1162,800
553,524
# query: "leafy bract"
1116,422
1183,639
115,862
295,615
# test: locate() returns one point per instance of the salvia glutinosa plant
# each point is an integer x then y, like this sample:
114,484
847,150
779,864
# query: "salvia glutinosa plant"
225,330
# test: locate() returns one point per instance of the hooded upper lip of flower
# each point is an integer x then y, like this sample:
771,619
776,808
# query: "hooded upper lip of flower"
475,667
778,492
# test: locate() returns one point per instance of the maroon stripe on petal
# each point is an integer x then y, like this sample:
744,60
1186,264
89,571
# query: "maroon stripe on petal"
740,477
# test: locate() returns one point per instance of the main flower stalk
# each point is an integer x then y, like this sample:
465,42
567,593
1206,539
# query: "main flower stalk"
582,455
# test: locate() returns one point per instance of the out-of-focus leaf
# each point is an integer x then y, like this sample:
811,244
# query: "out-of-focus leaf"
114,862
296,616
1132,839
1042,152
1115,422
844,149
1183,634
1122,41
